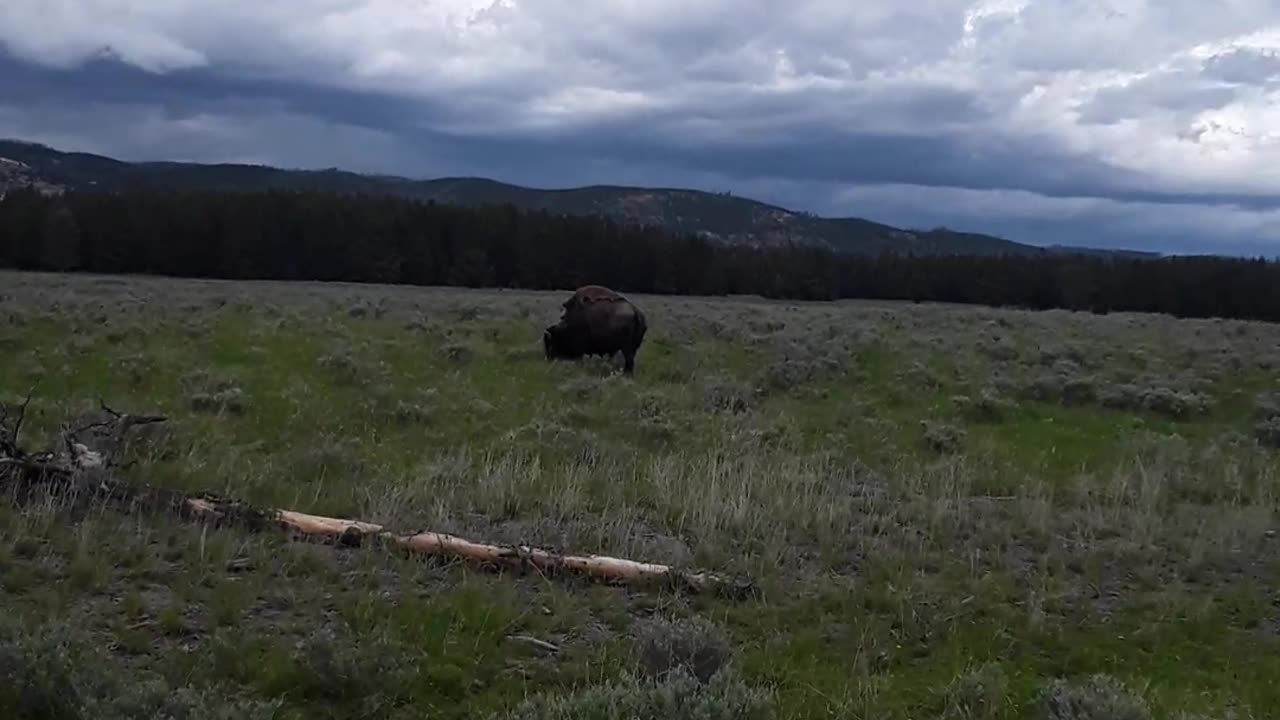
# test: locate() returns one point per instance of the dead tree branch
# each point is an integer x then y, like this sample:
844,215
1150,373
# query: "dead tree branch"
79,468
10,436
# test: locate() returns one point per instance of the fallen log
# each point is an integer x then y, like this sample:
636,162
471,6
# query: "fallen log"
518,557
85,473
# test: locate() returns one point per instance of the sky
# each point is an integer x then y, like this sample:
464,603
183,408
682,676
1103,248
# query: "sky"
1145,124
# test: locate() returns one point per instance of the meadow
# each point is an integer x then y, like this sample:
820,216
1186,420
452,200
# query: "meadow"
950,511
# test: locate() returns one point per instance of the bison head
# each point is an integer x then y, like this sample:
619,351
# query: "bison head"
555,342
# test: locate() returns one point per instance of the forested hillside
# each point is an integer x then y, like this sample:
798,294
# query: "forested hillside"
721,217
314,235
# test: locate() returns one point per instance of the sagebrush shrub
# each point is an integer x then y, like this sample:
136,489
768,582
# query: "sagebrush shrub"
1267,432
942,438
788,373
341,668
677,696
723,395
695,644
976,694
989,406
1174,404
52,672
1061,387
1099,697
581,387
458,353
1267,406
344,368
229,400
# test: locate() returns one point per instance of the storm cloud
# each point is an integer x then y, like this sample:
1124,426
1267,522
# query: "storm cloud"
1136,123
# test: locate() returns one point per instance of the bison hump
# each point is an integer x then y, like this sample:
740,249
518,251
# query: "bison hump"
594,292
588,294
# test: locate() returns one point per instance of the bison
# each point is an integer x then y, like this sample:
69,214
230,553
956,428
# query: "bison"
596,321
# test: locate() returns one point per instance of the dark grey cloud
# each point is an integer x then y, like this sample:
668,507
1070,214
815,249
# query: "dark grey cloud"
1146,110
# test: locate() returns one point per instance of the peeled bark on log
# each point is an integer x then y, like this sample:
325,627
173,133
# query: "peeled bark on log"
601,566
353,532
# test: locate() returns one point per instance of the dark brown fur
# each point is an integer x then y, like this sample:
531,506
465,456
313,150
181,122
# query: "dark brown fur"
588,294
596,321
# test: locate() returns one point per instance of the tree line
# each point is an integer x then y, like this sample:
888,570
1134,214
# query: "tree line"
314,235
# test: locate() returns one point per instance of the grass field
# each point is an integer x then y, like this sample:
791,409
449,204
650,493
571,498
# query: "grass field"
952,512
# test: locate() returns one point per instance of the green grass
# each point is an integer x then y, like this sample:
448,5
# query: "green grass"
1098,504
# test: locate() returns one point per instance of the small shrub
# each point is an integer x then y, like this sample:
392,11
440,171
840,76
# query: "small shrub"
417,407
720,330
457,353
1267,406
1077,391
464,313
920,375
652,405
942,438
154,699
229,400
1174,404
678,696
1267,432
419,324
1075,355
411,413
786,374
524,355
660,429
1099,697
655,419
694,644
117,335
1063,388
767,327
581,388
722,395
771,435
988,407
331,459
41,673
52,671
344,368
998,348
977,694
345,668
136,368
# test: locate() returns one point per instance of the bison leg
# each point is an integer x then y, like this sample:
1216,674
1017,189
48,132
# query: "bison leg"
628,361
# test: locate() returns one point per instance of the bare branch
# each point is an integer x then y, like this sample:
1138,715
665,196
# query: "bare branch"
102,404
75,434
131,420
15,432
535,642
118,427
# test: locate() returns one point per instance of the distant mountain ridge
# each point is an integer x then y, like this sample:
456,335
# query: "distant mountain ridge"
718,216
